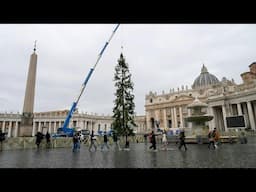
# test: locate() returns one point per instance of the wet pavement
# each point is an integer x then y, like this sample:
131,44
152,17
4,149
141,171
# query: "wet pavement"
197,156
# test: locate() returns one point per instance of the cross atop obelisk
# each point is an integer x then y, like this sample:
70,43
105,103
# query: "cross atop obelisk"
35,46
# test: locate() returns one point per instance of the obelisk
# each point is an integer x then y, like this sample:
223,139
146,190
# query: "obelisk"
28,107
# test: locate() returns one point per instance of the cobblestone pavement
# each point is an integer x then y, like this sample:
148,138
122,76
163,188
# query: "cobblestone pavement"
197,156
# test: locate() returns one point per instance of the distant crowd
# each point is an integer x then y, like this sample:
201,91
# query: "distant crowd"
78,138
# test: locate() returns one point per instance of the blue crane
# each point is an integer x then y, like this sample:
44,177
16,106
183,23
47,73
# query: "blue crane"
69,131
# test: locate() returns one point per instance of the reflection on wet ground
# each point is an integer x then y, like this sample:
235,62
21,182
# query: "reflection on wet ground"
197,156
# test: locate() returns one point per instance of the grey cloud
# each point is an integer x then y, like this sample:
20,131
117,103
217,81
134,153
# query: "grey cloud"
160,57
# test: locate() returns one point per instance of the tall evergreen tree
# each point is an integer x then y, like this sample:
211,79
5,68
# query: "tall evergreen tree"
123,111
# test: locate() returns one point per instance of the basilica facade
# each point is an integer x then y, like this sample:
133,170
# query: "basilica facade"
224,97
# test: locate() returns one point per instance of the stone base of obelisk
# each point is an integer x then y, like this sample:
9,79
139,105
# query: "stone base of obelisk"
26,126
25,131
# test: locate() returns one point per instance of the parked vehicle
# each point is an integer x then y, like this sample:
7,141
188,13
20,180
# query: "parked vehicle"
85,132
55,135
173,132
109,133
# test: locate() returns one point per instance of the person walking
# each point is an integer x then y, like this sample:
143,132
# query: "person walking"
164,140
216,138
48,139
92,142
243,138
105,141
182,140
153,141
145,138
75,142
211,136
39,137
2,138
116,140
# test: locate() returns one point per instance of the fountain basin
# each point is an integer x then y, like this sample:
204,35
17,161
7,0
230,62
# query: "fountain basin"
199,118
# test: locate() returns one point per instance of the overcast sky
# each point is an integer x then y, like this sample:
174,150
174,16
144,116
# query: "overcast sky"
160,57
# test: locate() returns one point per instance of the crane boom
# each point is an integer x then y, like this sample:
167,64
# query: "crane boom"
73,107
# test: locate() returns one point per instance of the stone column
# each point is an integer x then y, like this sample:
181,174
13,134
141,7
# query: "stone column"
228,111
50,127
212,122
39,126
16,129
172,117
181,117
43,126
175,117
254,106
10,129
164,119
224,117
79,124
245,113
54,127
83,124
189,114
3,127
250,113
218,120
239,109
34,128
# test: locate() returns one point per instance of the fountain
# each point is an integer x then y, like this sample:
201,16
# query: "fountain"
198,118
